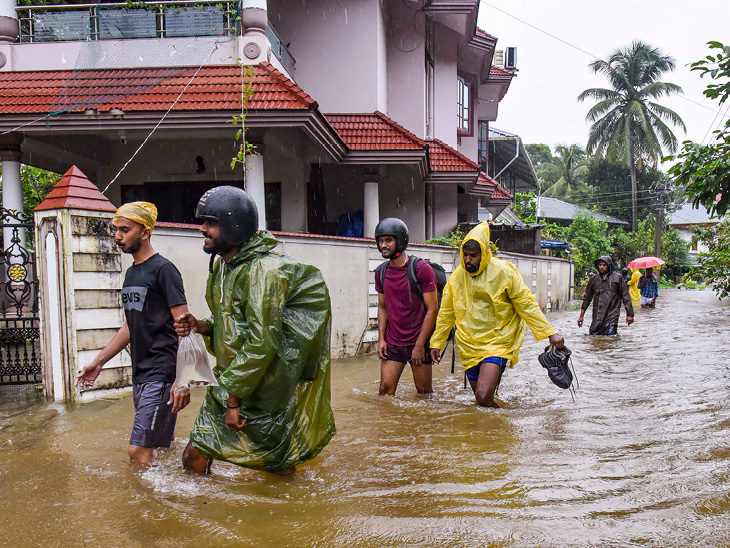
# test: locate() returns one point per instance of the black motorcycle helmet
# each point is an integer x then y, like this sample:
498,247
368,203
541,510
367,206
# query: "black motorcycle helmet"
233,209
396,228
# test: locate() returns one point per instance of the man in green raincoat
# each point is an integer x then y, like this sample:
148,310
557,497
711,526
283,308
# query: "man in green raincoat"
270,334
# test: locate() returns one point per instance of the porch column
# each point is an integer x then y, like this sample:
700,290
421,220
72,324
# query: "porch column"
9,28
12,187
371,204
255,182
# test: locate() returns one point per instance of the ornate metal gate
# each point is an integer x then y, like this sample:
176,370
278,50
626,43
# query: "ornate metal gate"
20,359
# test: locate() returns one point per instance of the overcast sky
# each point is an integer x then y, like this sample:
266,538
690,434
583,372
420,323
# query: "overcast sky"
541,104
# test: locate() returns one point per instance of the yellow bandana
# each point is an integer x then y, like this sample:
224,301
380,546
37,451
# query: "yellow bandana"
143,213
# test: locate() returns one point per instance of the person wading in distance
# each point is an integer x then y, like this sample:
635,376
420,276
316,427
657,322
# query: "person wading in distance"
607,289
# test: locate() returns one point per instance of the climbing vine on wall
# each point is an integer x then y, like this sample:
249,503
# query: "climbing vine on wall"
243,147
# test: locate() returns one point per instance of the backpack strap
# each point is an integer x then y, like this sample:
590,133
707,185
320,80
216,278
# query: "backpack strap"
412,265
381,272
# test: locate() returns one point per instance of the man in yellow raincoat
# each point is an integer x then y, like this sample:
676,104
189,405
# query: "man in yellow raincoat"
489,303
270,333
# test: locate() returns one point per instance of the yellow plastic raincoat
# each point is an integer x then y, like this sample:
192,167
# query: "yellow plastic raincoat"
633,284
489,308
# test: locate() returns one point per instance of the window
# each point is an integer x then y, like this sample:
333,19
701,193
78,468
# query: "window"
272,197
463,110
483,144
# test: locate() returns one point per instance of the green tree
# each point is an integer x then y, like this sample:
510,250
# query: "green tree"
567,169
610,190
626,122
703,171
588,241
526,206
640,243
714,266
539,153
36,184
675,250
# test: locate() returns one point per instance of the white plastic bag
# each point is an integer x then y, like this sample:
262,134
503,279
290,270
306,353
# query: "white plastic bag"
193,368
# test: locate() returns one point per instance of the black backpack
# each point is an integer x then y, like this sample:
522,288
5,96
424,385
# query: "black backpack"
438,270
441,279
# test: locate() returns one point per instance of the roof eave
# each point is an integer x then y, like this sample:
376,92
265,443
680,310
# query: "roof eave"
417,158
441,6
311,121
453,177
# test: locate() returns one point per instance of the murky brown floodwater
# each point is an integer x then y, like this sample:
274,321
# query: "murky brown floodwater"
642,458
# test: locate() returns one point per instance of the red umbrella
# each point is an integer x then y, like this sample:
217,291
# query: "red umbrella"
646,262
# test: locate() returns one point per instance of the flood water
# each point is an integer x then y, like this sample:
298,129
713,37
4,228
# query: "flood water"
641,458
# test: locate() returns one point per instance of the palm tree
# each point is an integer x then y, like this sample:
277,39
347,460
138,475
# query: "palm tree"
567,169
626,122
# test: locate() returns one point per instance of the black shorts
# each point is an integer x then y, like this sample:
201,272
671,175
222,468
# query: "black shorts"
154,422
402,354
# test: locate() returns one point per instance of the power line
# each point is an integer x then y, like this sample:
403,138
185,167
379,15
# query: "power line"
594,56
603,194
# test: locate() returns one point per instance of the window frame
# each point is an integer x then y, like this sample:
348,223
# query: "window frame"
485,163
469,107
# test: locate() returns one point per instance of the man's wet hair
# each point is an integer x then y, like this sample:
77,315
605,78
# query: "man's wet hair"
472,245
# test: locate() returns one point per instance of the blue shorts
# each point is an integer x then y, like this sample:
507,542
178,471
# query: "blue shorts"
473,372
154,421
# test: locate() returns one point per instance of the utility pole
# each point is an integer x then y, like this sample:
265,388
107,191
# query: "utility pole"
659,223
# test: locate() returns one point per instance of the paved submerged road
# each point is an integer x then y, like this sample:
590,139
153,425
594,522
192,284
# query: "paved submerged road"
642,458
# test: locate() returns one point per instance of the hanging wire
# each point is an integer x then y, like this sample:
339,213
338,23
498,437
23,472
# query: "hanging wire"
26,124
594,56
141,146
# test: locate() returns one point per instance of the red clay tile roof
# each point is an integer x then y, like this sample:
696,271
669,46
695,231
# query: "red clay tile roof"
373,132
501,194
378,132
75,191
498,193
484,34
148,89
499,71
445,158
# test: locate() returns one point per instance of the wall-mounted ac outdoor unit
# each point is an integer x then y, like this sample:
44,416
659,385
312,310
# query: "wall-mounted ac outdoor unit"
498,58
510,58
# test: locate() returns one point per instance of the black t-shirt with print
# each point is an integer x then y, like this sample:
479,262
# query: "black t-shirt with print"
150,289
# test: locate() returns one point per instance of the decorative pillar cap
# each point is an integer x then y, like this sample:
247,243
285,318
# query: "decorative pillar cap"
75,191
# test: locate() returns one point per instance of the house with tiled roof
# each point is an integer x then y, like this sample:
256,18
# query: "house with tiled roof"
378,107
685,220
562,213
354,110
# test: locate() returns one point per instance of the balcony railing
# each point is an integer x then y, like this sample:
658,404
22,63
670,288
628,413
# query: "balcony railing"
117,21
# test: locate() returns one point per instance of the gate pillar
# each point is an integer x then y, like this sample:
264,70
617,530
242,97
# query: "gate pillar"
79,268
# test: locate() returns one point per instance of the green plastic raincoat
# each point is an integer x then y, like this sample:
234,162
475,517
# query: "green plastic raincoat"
489,308
271,323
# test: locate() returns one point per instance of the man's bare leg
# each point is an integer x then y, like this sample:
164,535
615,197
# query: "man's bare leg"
390,373
194,460
423,378
140,455
485,387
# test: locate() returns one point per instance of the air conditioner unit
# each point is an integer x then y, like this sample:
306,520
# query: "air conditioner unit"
510,59
498,58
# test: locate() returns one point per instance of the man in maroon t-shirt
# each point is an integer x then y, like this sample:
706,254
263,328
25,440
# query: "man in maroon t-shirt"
405,318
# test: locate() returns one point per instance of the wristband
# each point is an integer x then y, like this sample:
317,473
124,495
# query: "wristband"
233,406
